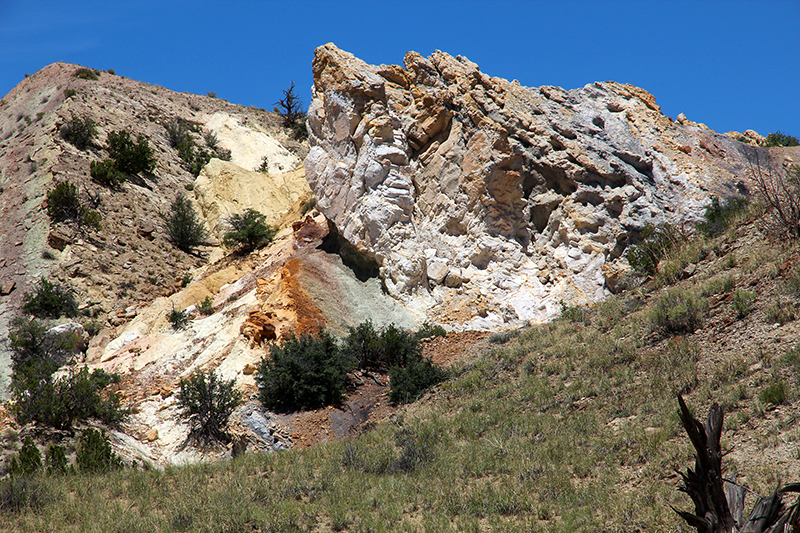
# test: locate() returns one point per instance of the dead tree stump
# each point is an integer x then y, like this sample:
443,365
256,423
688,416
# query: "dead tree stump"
719,502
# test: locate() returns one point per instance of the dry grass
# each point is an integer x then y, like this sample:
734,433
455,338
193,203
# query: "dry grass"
568,426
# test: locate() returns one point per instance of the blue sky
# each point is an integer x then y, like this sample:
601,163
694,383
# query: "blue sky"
733,65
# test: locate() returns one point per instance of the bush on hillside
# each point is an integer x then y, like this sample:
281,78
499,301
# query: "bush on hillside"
178,319
207,402
56,462
655,242
184,228
106,173
79,132
303,373
86,74
59,402
248,231
409,382
129,157
679,311
780,139
28,461
779,186
94,453
50,300
719,216
63,203
39,395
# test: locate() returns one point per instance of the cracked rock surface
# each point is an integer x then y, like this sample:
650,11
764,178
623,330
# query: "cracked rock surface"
491,202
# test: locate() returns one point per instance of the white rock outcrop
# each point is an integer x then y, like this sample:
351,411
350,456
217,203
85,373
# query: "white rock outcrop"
475,193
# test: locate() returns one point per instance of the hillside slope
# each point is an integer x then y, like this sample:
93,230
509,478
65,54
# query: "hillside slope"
129,261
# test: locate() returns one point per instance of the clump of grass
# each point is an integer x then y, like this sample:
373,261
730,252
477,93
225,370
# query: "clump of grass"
743,302
678,311
774,393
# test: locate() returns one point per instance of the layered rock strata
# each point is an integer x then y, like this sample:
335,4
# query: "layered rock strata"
494,200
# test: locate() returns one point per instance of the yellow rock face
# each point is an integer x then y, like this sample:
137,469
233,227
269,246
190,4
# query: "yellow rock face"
223,189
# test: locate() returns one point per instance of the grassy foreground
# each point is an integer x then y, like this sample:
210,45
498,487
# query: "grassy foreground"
569,426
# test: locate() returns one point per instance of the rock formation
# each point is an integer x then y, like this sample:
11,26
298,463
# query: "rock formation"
491,201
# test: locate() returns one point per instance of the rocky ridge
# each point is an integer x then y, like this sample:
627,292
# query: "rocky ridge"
490,202
128,262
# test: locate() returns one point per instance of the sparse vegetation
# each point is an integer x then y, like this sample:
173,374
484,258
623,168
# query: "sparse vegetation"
63,203
656,242
291,108
178,319
743,303
129,157
50,300
678,311
80,132
207,402
179,133
69,93
206,307
248,231
105,173
780,139
718,216
780,189
86,74
184,228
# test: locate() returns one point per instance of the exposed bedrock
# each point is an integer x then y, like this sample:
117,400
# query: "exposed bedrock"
493,202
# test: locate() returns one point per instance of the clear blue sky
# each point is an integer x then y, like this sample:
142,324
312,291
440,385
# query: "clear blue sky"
733,65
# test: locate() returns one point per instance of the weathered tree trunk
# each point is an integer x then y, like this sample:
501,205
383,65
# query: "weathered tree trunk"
719,503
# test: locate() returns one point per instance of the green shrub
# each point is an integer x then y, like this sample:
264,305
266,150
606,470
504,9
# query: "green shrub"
129,157
32,346
178,319
79,132
678,311
184,228
69,93
743,302
56,460
86,74
28,461
63,203
303,373
92,219
427,330
194,158
655,242
409,382
94,453
365,346
774,393
50,300
60,402
780,139
718,217
400,347
207,401
248,231
206,307
574,313
106,173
